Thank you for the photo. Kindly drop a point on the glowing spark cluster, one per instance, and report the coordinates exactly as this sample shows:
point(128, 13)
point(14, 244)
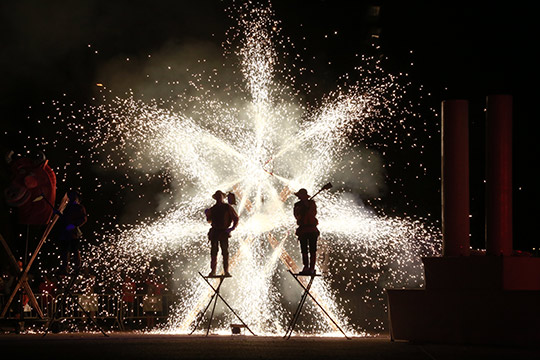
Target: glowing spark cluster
point(257, 138)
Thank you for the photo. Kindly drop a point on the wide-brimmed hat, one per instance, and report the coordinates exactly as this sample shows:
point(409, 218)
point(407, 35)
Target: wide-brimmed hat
point(218, 195)
point(301, 193)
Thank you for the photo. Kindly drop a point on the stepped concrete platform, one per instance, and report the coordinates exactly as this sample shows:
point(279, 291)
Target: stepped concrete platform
point(471, 300)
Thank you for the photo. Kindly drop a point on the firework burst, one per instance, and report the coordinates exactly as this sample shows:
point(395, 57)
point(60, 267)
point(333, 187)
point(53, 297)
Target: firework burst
point(257, 138)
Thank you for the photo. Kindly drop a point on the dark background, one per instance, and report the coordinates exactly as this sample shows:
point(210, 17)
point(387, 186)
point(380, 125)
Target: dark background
point(464, 50)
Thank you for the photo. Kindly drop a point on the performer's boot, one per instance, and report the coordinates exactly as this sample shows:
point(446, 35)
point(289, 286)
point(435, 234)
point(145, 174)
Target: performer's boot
point(312, 261)
point(213, 264)
point(226, 266)
point(305, 261)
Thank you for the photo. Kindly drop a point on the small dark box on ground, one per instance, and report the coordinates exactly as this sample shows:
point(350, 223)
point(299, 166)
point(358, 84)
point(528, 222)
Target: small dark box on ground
point(237, 328)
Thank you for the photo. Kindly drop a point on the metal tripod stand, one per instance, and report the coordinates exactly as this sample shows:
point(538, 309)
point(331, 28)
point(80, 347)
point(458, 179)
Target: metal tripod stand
point(67, 292)
point(296, 314)
point(214, 298)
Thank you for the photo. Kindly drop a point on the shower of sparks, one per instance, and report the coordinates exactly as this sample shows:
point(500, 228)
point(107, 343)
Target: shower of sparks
point(257, 138)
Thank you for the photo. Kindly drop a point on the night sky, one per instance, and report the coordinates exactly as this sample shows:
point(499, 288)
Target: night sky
point(457, 50)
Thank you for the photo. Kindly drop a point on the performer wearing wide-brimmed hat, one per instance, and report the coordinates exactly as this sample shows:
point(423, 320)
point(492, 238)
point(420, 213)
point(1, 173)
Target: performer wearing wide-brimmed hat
point(305, 212)
point(221, 216)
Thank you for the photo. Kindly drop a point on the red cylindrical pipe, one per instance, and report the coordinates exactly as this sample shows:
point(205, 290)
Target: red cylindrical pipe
point(455, 177)
point(499, 175)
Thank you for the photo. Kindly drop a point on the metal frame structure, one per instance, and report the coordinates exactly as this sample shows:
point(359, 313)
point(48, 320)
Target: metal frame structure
point(305, 294)
point(67, 292)
point(22, 282)
point(214, 298)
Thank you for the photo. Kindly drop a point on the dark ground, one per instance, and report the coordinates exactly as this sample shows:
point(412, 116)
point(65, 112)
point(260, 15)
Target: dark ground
point(143, 346)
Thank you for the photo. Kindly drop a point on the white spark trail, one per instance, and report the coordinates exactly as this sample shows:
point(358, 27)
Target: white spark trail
point(263, 144)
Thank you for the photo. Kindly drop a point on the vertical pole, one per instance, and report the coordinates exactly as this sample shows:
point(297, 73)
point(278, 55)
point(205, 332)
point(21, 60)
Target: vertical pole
point(499, 175)
point(455, 177)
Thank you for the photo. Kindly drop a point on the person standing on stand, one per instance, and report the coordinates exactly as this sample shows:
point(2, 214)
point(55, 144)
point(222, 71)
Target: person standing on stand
point(70, 221)
point(220, 216)
point(305, 212)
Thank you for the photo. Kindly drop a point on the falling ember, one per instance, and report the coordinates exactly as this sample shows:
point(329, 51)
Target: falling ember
point(260, 141)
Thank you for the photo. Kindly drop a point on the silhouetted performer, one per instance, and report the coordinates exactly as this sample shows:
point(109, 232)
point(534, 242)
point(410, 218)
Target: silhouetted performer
point(305, 211)
point(221, 216)
point(70, 221)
